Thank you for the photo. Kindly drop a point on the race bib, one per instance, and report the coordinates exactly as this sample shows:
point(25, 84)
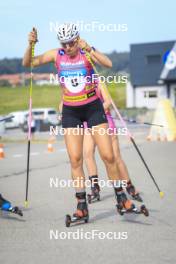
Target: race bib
point(74, 81)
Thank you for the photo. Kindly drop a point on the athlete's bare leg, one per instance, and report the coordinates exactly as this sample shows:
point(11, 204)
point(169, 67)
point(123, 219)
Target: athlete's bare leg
point(89, 154)
point(74, 144)
point(120, 163)
point(104, 144)
point(124, 175)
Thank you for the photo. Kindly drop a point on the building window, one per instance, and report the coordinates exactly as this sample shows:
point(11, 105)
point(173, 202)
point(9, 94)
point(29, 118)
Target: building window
point(153, 94)
point(150, 94)
point(145, 94)
point(154, 59)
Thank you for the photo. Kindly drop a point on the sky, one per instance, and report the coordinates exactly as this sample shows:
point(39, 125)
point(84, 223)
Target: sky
point(135, 21)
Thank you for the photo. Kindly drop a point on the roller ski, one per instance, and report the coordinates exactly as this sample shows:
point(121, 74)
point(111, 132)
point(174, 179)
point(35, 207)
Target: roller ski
point(81, 214)
point(133, 193)
point(6, 206)
point(95, 190)
point(133, 210)
point(125, 206)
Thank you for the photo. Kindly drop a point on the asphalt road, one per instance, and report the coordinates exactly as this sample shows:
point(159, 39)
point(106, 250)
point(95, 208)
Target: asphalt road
point(41, 236)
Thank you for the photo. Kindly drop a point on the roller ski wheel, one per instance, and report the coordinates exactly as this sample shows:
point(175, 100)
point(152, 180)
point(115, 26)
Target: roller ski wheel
point(75, 219)
point(67, 220)
point(144, 210)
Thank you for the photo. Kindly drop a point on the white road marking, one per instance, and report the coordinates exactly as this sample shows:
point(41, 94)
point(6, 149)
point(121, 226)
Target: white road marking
point(62, 149)
point(38, 153)
point(34, 153)
point(17, 155)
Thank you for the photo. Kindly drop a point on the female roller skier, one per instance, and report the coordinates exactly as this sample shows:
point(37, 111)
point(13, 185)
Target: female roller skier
point(80, 103)
point(89, 153)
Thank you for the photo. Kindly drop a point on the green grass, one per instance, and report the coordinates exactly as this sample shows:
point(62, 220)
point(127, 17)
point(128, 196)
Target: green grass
point(15, 99)
point(118, 93)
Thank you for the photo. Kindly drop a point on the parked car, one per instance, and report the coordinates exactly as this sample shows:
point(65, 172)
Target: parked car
point(17, 120)
point(44, 118)
point(45, 114)
point(2, 126)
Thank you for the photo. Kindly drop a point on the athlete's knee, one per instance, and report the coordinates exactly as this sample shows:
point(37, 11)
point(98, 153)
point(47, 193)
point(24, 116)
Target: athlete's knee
point(76, 161)
point(108, 159)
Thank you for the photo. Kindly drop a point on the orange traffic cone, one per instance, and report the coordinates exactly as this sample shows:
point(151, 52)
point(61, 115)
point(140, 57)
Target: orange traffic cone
point(2, 155)
point(50, 146)
point(148, 138)
point(158, 137)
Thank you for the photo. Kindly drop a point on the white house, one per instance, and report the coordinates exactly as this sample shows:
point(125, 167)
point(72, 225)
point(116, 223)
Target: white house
point(152, 74)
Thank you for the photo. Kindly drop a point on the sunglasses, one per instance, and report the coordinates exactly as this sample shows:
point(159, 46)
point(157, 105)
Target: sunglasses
point(70, 44)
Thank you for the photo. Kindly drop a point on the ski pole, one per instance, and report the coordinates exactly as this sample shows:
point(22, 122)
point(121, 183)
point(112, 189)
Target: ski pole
point(29, 122)
point(136, 147)
point(140, 123)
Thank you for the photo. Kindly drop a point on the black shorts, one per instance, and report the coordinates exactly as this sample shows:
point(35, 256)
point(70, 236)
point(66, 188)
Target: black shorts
point(92, 113)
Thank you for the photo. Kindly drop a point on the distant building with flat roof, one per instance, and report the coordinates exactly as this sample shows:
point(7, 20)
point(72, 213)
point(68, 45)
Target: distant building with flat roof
point(152, 74)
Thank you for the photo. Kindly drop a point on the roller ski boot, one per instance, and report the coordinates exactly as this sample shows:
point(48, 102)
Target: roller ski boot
point(6, 206)
point(81, 214)
point(125, 206)
point(133, 193)
point(95, 190)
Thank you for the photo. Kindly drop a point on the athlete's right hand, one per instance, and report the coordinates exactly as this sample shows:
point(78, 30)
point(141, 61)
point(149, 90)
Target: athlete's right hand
point(32, 38)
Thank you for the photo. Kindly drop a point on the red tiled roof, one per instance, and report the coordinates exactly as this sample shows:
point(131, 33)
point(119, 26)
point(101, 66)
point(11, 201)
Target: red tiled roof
point(15, 79)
